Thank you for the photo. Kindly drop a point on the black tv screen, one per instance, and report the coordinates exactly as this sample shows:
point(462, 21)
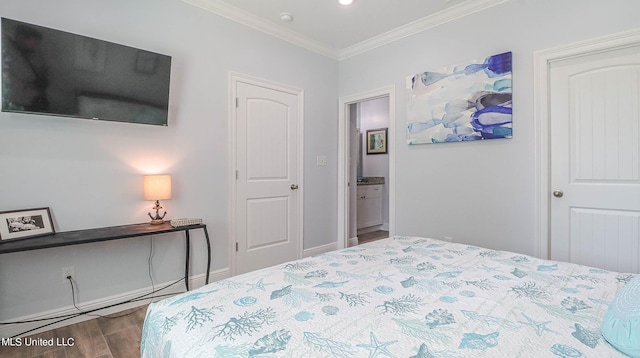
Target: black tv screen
point(52, 72)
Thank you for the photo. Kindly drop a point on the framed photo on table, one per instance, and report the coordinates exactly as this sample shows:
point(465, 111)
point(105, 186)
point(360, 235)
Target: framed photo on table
point(377, 141)
point(21, 224)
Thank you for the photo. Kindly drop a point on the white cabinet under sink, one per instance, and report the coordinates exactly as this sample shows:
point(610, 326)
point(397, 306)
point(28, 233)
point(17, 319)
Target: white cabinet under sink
point(369, 205)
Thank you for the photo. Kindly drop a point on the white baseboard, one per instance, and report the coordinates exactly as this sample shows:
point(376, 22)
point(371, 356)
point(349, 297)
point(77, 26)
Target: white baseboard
point(353, 241)
point(366, 230)
point(319, 250)
point(12, 330)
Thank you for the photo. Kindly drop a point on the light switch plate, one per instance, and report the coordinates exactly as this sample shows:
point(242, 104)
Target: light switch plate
point(321, 161)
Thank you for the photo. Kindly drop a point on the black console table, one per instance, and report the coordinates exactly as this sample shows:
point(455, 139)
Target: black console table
point(105, 234)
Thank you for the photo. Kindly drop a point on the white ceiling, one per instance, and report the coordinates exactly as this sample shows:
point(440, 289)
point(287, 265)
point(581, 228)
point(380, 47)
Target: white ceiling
point(339, 31)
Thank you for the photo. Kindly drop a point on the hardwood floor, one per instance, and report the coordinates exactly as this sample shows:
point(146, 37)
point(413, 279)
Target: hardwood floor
point(372, 236)
point(117, 337)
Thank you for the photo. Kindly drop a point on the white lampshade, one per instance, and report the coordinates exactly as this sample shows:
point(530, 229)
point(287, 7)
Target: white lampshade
point(157, 187)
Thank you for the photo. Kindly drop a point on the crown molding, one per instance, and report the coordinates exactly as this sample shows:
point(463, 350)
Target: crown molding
point(235, 14)
point(245, 18)
point(442, 17)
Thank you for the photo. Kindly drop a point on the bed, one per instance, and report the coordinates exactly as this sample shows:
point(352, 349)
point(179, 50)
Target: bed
point(397, 297)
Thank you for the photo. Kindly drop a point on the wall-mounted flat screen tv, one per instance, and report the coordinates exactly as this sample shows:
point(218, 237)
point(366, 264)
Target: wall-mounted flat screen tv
point(52, 72)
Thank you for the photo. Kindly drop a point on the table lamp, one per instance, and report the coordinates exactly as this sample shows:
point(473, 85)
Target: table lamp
point(157, 187)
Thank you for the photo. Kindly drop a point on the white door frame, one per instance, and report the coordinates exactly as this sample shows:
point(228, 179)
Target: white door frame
point(542, 62)
point(343, 159)
point(234, 78)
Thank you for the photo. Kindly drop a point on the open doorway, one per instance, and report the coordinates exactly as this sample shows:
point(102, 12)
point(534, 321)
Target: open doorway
point(366, 200)
point(369, 169)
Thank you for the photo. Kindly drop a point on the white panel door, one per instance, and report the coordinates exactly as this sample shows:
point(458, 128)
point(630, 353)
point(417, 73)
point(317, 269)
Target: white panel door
point(595, 159)
point(267, 218)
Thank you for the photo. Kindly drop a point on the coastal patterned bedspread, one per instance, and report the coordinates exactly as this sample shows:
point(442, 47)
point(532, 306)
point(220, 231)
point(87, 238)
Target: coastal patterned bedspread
point(397, 297)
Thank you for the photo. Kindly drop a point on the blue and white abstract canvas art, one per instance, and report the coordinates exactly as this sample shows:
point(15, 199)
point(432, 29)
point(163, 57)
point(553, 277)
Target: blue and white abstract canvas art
point(461, 103)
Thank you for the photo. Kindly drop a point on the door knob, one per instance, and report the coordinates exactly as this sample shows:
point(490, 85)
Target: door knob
point(294, 186)
point(558, 193)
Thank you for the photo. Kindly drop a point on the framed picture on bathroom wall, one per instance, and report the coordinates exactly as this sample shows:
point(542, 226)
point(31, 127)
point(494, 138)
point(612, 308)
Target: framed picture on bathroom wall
point(377, 141)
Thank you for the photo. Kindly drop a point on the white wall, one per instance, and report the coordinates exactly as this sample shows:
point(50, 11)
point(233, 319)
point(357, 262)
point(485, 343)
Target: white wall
point(479, 192)
point(374, 114)
point(90, 173)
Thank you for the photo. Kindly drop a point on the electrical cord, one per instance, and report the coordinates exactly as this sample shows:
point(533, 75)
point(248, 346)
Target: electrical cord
point(62, 318)
point(72, 315)
point(130, 312)
point(88, 313)
point(80, 313)
point(149, 268)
